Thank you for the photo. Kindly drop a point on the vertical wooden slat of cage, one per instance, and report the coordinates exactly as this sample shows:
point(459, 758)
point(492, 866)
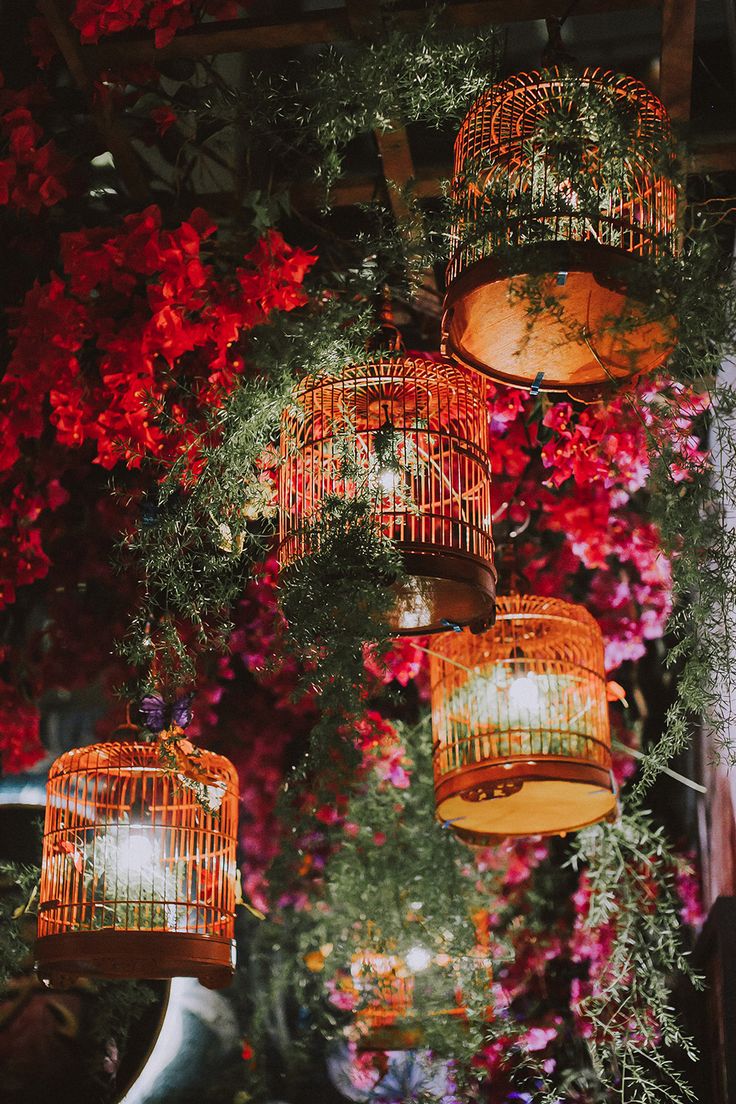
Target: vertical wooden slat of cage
point(229, 868)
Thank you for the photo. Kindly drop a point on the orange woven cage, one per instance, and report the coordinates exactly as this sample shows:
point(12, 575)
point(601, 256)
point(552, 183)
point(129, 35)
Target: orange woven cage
point(386, 990)
point(416, 432)
point(394, 999)
point(524, 212)
point(520, 723)
point(137, 880)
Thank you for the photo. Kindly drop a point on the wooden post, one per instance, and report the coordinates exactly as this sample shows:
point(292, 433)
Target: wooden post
point(676, 58)
point(117, 141)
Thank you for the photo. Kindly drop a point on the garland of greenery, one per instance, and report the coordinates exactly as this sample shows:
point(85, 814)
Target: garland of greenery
point(307, 115)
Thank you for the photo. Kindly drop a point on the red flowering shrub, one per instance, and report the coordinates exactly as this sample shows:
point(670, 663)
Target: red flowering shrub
point(127, 351)
point(96, 18)
point(570, 483)
point(32, 171)
point(20, 743)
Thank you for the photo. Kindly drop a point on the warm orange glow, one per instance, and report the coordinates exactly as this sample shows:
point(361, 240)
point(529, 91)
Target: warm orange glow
point(389, 1017)
point(520, 723)
point(415, 431)
point(521, 214)
point(137, 880)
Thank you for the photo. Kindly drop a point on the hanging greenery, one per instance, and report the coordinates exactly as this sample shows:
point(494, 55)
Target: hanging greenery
point(308, 114)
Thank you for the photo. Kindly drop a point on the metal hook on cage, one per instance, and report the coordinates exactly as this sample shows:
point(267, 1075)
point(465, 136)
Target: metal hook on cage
point(555, 52)
point(390, 332)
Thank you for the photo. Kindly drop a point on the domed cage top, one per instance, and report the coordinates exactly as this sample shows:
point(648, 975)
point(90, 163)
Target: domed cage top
point(137, 879)
point(411, 434)
point(542, 187)
point(520, 723)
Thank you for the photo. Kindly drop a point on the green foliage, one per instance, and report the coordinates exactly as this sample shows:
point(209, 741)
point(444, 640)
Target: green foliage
point(631, 873)
point(195, 548)
point(338, 596)
point(398, 880)
point(310, 112)
point(18, 897)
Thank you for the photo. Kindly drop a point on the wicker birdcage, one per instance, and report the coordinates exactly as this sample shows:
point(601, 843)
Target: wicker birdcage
point(395, 997)
point(386, 989)
point(411, 433)
point(545, 285)
point(520, 723)
point(137, 879)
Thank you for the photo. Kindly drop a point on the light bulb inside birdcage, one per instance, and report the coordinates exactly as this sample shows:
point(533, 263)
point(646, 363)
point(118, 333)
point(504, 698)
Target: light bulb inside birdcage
point(418, 959)
point(546, 210)
point(525, 695)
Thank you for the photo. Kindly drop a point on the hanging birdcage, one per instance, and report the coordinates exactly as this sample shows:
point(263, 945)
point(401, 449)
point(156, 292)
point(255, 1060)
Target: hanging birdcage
point(398, 995)
point(411, 435)
point(385, 990)
point(546, 285)
point(522, 742)
point(137, 878)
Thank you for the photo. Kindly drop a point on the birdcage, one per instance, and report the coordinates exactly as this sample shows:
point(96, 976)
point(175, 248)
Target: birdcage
point(385, 991)
point(520, 723)
point(564, 188)
point(137, 879)
point(398, 994)
point(410, 433)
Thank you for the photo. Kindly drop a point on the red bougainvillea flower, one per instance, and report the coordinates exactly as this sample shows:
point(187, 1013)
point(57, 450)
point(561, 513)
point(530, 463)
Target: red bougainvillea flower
point(129, 348)
point(32, 172)
point(97, 18)
point(20, 741)
point(568, 479)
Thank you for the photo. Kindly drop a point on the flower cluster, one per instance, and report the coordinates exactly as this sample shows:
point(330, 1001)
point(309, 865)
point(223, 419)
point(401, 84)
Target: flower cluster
point(138, 335)
point(127, 352)
point(20, 741)
point(571, 485)
point(33, 171)
point(97, 18)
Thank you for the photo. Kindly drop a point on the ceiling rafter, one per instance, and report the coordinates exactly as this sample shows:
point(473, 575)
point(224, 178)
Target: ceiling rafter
point(363, 19)
point(328, 26)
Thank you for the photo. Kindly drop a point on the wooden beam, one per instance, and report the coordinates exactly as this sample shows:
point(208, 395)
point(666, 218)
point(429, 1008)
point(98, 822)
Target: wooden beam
point(116, 140)
point(357, 188)
point(326, 26)
point(398, 168)
point(714, 156)
point(232, 37)
point(676, 57)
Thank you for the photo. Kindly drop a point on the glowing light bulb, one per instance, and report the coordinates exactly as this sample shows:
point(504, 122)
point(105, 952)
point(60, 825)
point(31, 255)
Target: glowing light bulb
point(389, 480)
point(524, 694)
point(136, 852)
point(418, 958)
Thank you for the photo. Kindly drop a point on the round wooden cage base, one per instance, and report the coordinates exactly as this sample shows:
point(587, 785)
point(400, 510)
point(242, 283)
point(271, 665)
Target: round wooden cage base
point(152, 956)
point(443, 591)
point(399, 1035)
point(546, 798)
point(395, 1036)
point(486, 322)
